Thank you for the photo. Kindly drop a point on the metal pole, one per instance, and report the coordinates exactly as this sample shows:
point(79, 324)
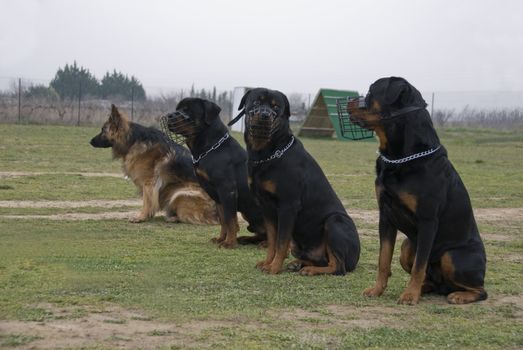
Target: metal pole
point(79, 100)
point(432, 107)
point(132, 102)
point(19, 100)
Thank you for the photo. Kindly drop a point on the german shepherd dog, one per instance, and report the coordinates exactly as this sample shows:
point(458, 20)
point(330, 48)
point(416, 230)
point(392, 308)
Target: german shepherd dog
point(301, 210)
point(160, 169)
point(221, 167)
point(420, 194)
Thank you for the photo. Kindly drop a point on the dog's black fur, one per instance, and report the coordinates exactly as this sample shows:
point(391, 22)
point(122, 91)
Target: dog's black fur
point(222, 172)
point(423, 198)
point(300, 207)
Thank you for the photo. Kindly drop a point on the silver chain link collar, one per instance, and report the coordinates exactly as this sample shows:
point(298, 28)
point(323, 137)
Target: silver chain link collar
point(408, 158)
point(277, 154)
point(215, 146)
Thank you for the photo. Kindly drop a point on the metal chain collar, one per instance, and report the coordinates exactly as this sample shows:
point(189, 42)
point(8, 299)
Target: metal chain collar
point(408, 158)
point(215, 146)
point(277, 154)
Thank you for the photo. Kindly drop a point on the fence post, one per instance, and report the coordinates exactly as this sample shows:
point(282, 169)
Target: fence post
point(132, 103)
point(432, 107)
point(79, 100)
point(19, 100)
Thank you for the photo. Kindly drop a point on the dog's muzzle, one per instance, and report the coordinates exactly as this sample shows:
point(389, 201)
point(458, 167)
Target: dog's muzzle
point(262, 121)
point(350, 127)
point(178, 126)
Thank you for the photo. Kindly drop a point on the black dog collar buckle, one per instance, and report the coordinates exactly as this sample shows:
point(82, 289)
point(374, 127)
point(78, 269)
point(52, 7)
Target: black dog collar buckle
point(178, 126)
point(261, 122)
point(348, 129)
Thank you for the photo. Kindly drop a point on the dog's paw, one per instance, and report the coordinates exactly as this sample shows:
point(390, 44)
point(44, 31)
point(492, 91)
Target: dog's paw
point(462, 297)
point(375, 291)
point(294, 266)
point(137, 219)
point(227, 245)
point(217, 240)
point(272, 269)
point(309, 271)
point(173, 219)
point(409, 297)
point(261, 264)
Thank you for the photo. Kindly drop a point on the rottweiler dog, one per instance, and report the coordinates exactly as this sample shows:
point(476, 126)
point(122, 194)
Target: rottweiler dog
point(221, 167)
point(419, 193)
point(160, 169)
point(301, 210)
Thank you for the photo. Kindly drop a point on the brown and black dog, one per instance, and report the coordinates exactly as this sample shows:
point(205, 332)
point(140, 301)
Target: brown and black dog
point(420, 193)
point(160, 169)
point(301, 210)
point(221, 167)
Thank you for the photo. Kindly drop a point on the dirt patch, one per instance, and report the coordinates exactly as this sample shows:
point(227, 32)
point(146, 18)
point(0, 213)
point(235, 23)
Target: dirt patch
point(496, 237)
point(71, 204)
point(342, 317)
point(75, 216)
point(10, 174)
point(110, 326)
point(514, 301)
point(498, 214)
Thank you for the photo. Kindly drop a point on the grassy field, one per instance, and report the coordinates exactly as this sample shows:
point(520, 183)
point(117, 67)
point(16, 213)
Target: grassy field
point(112, 284)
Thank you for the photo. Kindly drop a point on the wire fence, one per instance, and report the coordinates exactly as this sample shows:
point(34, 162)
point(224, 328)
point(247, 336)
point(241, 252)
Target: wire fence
point(17, 105)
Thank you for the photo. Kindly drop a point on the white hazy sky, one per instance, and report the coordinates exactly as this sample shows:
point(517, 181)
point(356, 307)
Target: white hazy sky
point(290, 45)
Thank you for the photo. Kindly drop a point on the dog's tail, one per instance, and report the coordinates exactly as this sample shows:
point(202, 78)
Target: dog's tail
point(193, 206)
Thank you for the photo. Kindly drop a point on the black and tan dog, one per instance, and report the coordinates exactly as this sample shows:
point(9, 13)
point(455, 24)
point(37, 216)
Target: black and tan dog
point(221, 167)
point(301, 210)
point(420, 193)
point(160, 169)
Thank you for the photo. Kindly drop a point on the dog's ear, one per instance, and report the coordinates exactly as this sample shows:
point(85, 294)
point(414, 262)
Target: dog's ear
point(400, 93)
point(212, 111)
point(115, 118)
point(244, 99)
point(395, 91)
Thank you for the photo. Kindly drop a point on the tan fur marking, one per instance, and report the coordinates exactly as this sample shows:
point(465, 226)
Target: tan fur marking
point(407, 255)
point(269, 186)
point(271, 245)
point(379, 191)
point(202, 173)
point(322, 270)
point(384, 262)
point(409, 200)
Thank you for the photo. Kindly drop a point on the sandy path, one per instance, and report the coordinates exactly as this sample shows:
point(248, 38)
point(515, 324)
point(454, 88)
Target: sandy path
point(368, 216)
point(7, 174)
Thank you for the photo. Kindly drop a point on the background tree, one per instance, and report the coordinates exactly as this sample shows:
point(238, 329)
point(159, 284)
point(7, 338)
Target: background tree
point(118, 84)
point(68, 82)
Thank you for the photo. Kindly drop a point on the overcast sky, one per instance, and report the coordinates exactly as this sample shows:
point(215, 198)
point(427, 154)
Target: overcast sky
point(290, 45)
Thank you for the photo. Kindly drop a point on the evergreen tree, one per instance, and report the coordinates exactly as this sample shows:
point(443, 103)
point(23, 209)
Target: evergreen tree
point(72, 80)
point(117, 84)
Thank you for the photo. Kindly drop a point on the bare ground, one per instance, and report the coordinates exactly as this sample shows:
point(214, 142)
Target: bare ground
point(116, 327)
point(367, 216)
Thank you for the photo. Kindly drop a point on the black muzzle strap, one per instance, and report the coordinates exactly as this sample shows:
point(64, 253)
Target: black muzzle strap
point(238, 117)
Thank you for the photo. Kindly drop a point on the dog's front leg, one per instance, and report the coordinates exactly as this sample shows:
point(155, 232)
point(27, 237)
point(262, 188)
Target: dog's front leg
point(388, 235)
point(270, 228)
point(286, 220)
point(426, 233)
point(148, 207)
point(229, 201)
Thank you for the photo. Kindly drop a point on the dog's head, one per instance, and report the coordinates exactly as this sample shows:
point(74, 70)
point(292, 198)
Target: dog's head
point(114, 130)
point(267, 114)
point(387, 99)
point(192, 116)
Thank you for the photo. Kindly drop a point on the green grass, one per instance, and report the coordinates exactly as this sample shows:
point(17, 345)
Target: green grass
point(174, 274)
